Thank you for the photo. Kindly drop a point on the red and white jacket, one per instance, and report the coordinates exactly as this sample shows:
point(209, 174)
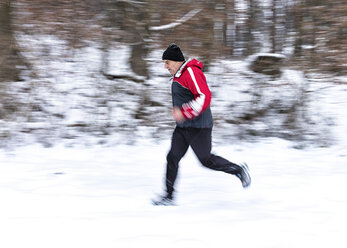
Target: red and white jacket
point(191, 94)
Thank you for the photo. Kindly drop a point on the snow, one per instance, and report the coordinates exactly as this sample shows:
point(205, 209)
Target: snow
point(100, 197)
point(178, 22)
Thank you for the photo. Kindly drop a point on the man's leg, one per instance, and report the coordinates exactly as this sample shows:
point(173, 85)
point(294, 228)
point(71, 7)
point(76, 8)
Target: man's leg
point(179, 147)
point(201, 145)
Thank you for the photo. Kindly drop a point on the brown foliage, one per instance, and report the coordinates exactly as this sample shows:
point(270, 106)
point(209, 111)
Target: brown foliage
point(222, 29)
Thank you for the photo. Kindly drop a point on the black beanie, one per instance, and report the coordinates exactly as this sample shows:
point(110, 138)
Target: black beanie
point(173, 52)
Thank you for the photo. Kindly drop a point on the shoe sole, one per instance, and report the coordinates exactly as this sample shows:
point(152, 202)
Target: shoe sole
point(244, 166)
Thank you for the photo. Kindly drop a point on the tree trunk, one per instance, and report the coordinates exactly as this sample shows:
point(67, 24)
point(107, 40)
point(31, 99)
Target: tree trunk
point(9, 56)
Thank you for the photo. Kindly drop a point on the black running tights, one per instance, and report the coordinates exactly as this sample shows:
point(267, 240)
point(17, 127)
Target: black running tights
point(200, 141)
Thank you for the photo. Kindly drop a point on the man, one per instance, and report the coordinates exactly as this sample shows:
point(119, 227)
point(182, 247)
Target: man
point(191, 99)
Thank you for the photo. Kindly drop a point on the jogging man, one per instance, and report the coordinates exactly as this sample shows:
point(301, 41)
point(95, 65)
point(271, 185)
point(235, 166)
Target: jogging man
point(191, 99)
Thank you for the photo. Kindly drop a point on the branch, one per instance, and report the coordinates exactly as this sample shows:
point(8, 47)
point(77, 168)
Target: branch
point(125, 77)
point(178, 22)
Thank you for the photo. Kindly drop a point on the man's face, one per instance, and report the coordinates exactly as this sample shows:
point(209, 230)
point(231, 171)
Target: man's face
point(172, 66)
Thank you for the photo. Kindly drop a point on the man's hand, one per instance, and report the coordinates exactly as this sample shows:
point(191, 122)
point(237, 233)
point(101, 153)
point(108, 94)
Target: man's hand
point(177, 115)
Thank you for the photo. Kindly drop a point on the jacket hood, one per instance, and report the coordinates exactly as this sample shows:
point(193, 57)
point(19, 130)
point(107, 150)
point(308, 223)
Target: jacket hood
point(188, 63)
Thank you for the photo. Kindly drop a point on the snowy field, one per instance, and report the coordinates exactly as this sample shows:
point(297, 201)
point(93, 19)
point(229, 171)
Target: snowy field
point(100, 197)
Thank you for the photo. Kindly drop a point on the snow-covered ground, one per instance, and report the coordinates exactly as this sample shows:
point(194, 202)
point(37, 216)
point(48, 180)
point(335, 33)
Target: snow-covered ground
point(101, 197)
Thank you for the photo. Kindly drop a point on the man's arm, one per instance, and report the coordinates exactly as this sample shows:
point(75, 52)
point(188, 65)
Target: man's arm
point(202, 94)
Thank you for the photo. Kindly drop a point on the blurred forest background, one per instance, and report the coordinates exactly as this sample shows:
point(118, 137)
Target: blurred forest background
point(90, 70)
